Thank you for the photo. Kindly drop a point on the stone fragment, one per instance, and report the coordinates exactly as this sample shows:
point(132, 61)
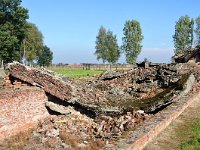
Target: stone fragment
point(52, 133)
point(57, 108)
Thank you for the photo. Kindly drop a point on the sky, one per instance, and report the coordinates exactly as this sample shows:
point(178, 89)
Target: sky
point(70, 27)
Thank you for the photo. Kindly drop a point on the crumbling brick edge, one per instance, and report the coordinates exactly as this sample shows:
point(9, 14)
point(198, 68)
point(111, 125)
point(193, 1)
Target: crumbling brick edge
point(152, 127)
point(21, 110)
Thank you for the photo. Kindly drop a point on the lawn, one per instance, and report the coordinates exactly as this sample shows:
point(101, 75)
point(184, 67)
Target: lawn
point(194, 142)
point(77, 73)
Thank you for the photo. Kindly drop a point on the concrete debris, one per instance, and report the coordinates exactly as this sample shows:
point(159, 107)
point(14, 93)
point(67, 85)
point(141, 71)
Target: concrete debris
point(52, 84)
point(192, 55)
point(109, 127)
point(109, 75)
point(113, 92)
point(57, 108)
point(52, 133)
point(121, 101)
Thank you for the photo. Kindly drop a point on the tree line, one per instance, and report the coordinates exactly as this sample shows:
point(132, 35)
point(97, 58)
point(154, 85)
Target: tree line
point(107, 49)
point(21, 40)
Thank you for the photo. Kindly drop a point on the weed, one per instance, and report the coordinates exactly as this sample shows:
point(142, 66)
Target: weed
point(194, 142)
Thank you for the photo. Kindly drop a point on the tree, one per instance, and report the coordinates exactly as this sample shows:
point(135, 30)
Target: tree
point(101, 47)
point(32, 44)
point(45, 59)
point(132, 40)
point(197, 30)
point(112, 52)
point(12, 29)
point(107, 48)
point(183, 37)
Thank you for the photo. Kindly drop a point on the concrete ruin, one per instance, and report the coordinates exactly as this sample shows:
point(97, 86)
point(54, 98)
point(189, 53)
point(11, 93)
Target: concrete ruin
point(192, 55)
point(21, 107)
point(113, 93)
point(107, 106)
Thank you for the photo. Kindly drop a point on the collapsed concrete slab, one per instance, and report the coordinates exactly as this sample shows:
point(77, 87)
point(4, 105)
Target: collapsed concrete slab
point(114, 93)
point(45, 79)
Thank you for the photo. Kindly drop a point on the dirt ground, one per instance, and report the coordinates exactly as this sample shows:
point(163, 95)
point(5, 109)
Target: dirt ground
point(178, 131)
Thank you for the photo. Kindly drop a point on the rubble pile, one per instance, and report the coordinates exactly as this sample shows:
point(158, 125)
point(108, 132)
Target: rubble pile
point(141, 82)
point(101, 126)
point(113, 92)
point(62, 128)
point(119, 99)
point(78, 131)
point(109, 127)
point(189, 55)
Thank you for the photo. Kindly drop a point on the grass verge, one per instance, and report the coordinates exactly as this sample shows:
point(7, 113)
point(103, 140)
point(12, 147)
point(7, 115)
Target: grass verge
point(194, 142)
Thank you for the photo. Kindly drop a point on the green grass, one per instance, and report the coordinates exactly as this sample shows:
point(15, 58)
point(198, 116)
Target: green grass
point(194, 142)
point(76, 73)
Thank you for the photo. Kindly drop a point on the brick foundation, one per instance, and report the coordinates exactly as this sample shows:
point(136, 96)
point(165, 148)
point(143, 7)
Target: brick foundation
point(20, 109)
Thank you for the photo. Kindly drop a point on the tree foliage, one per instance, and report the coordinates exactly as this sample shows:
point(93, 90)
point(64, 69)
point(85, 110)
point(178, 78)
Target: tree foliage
point(113, 53)
point(32, 44)
point(12, 29)
point(132, 40)
point(183, 37)
point(45, 59)
point(197, 30)
point(107, 48)
point(101, 47)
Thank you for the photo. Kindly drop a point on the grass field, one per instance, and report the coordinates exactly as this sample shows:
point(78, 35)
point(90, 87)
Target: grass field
point(76, 73)
point(194, 142)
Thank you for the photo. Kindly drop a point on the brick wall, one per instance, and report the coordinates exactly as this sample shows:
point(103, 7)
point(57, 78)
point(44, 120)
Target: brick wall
point(20, 109)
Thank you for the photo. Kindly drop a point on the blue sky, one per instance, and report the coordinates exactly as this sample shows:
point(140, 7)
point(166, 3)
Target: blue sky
point(70, 27)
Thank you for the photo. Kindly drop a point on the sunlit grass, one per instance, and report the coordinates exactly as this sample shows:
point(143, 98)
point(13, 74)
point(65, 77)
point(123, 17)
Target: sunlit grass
point(77, 73)
point(194, 142)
